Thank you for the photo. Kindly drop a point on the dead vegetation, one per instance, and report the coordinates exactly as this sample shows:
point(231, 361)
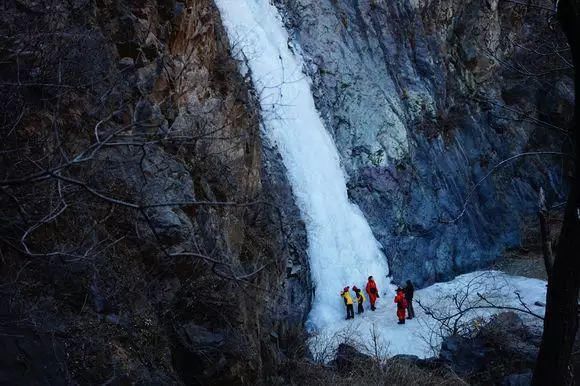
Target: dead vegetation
point(394, 372)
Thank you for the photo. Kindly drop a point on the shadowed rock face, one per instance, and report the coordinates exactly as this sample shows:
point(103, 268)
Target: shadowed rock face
point(422, 98)
point(132, 306)
point(407, 92)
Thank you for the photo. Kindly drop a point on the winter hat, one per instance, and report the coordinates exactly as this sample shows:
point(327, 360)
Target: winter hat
point(346, 289)
point(354, 288)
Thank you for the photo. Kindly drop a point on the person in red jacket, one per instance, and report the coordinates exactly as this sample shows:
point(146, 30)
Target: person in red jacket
point(373, 292)
point(401, 305)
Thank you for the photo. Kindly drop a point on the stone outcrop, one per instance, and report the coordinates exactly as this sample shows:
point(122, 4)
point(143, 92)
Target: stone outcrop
point(503, 346)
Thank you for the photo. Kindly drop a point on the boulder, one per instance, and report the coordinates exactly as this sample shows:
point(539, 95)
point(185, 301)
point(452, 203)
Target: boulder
point(28, 357)
point(202, 337)
point(465, 356)
point(349, 359)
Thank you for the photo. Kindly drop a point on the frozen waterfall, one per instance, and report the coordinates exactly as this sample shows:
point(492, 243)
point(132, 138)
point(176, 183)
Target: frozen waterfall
point(342, 249)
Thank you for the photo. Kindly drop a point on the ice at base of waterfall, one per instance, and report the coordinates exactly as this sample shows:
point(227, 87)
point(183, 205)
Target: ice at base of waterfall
point(378, 331)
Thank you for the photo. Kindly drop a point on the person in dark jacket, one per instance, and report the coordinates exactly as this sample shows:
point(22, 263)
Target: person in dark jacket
point(360, 299)
point(409, 292)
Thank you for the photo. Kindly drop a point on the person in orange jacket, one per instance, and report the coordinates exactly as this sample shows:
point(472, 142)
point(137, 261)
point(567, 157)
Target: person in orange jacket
point(373, 292)
point(345, 294)
point(401, 305)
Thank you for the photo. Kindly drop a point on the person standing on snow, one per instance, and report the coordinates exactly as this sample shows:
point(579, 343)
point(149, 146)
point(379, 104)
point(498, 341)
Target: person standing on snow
point(409, 292)
point(401, 305)
point(360, 298)
point(373, 292)
point(348, 303)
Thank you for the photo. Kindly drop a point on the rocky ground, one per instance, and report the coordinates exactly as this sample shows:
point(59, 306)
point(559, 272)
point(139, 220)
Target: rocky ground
point(527, 259)
point(528, 265)
point(501, 352)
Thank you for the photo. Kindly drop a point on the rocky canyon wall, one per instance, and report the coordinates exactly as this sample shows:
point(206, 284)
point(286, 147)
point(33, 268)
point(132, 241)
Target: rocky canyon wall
point(424, 99)
point(148, 235)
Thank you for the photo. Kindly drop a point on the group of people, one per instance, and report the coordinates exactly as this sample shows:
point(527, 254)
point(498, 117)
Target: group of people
point(403, 300)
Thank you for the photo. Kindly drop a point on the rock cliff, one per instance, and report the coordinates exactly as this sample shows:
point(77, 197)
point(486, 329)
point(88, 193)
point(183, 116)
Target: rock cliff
point(148, 235)
point(424, 98)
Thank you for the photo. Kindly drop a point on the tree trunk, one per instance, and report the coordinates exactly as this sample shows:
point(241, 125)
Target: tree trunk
point(546, 236)
point(561, 321)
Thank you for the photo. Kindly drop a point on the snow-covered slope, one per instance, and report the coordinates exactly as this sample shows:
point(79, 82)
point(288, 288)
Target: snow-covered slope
point(342, 249)
point(378, 333)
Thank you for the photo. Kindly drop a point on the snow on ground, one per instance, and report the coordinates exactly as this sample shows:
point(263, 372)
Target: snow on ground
point(420, 336)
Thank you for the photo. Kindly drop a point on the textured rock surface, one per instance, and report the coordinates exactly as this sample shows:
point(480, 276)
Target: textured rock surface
point(127, 279)
point(422, 99)
point(94, 291)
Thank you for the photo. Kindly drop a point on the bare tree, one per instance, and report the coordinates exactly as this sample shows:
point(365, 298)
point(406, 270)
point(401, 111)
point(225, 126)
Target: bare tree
point(468, 309)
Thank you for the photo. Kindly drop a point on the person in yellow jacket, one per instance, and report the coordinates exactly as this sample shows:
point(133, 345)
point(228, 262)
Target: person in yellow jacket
point(348, 303)
point(360, 299)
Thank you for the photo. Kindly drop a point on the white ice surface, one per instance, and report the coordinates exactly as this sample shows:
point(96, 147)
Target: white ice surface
point(342, 249)
point(420, 335)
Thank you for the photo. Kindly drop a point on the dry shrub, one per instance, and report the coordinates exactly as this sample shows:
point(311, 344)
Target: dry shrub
point(394, 371)
point(358, 363)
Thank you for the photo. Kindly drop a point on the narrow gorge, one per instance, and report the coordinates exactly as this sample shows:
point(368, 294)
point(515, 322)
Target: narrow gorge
point(188, 186)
